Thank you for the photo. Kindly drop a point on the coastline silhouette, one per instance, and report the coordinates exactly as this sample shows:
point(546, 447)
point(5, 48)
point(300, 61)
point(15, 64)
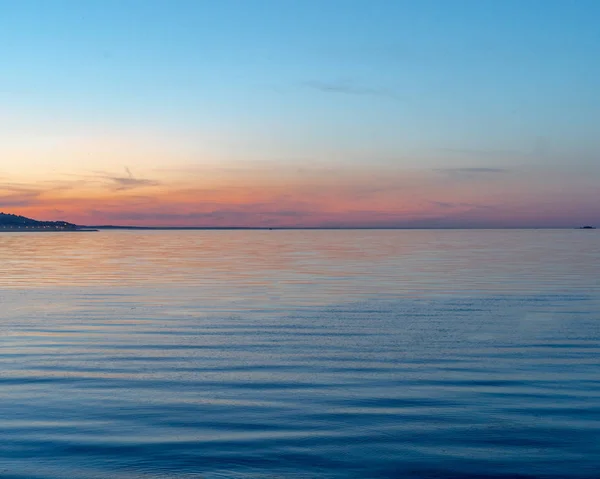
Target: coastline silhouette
point(11, 222)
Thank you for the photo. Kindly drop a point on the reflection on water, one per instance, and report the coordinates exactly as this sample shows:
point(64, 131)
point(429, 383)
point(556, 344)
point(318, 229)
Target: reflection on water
point(300, 354)
point(304, 266)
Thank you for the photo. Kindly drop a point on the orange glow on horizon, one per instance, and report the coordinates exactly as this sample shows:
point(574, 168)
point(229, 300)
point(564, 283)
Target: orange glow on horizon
point(287, 197)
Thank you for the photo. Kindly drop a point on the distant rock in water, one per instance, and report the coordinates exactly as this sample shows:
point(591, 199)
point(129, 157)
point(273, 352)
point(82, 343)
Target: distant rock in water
point(12, 222)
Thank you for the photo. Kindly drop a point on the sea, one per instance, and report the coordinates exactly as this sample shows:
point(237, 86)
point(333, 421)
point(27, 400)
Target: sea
point(288, 354)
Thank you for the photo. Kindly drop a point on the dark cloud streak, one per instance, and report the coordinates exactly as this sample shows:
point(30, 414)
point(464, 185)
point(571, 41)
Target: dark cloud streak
point(118, 182)
point(129, 182)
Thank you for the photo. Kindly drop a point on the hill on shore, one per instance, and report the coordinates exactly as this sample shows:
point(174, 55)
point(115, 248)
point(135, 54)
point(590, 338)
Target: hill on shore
point(10, 221)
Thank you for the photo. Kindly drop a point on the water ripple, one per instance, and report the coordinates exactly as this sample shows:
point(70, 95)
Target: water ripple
point(365, 355)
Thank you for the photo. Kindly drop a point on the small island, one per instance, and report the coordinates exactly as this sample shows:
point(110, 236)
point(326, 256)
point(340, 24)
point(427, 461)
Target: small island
point(587, 227)
point(16, 223)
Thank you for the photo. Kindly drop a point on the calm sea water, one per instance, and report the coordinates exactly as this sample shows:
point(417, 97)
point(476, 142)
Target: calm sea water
point(300, 354)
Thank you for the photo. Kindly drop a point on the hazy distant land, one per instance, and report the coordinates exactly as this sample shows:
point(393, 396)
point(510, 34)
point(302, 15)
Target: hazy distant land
point(16, 223)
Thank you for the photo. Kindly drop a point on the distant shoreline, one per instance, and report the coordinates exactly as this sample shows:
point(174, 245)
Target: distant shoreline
point(89, 229)
point(46, 230)
point(11, 223)
point(325, 228)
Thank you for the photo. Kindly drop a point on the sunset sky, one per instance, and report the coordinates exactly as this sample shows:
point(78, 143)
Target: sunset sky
point(450, 113)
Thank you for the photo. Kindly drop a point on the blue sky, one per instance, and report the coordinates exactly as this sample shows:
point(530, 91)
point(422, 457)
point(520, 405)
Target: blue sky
point(372, 84)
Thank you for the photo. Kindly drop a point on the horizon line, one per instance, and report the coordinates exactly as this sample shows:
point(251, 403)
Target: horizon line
point(356, 227)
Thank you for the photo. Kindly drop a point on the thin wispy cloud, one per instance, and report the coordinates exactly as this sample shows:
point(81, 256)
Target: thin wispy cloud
point(459, 205)
point(25, 195)
point(18, 195)
point(471, 173)
point(479, 153)
point(346, 88)
point(123, 182)
point(472, 170)
point(18, 199)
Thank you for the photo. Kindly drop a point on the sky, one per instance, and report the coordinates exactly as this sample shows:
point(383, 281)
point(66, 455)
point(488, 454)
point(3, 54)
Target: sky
point(383, 113)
